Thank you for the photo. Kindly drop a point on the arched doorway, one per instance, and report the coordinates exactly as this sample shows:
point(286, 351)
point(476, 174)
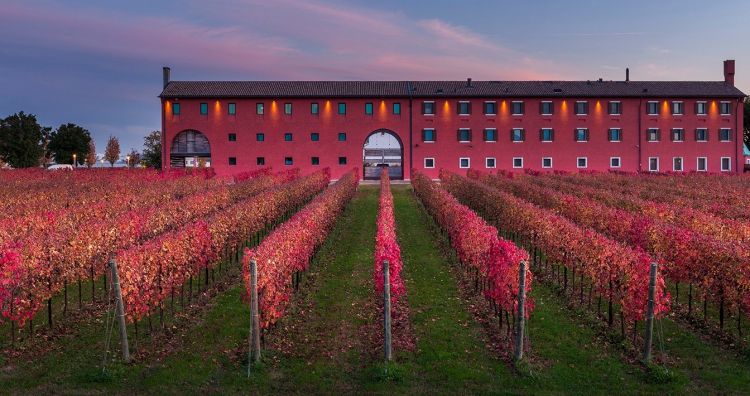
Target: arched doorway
point(190, 149)
point(383, 149)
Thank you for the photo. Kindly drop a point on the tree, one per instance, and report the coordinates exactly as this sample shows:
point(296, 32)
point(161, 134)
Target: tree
point(112, 152)
point(91, 158)
point(134, 158)
point(21, 140)
point(69, 140)
point(746, 122)
point(46, 157)
point(152, 150)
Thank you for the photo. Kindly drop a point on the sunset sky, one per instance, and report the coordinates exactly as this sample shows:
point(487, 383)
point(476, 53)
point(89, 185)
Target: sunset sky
point(98, 64)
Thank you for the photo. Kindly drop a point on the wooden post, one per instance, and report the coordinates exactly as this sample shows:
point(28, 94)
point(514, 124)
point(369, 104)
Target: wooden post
point(120, 311)
point(650, 316)
point(521, 314)
point(254, 317)
point(387, 311)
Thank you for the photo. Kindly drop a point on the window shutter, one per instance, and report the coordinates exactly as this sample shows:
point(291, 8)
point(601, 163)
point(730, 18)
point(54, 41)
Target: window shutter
point(523, 135)
point(575, 134)
point(458, 107)
point(671, 135)
point(424, 135)
point(587, 134)
point(424, 108)
point(541, 108)
point(541, 134)
point(468, 108)
point(658, 134)
point(696, 129)
point(609, 135)
point(512, 132)
point(469, 134)
point(434, 135)
point(458, 135)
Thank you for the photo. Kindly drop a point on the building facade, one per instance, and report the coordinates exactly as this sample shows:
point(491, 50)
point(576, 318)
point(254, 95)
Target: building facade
point(658, 126)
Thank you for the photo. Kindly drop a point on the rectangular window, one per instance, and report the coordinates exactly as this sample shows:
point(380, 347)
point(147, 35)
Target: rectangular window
point(725, 134)
point(232, 161)
point(490, 134)
point(726, 164)
point(678, 134)
point(547, 162)
point(175, 109)
point(546, 108)
point(429, 163)
point(368, 108)
point(260, 137)
point(701, 135)
point(517, 135)
point(516, 108)
point(652, 108)
point(342, 136)
point(702, 164)
point(464, 163)
point(232, 108)
point(287, 108)
point(490, 108)
point(315, 160)
point(464, 135)
point(464, 108)
point(582, 162)
point(653, 164)
point(428, 108)
point(259, 108)
point(517, 162)
point(342, 160)
point(582, 134)
point(314, 137)
point(546, 134)
point(615, 108)
point(582, 108)
point(232, 137)
point(725, 108)
point(615, 162)
point(489, 162)
point(260, 161)
point(288, 161)
point(615, 134)
point(342, 108)
point(653, 134)
point(288, 137)
point(701, 108)
point(204, 108)
point(677, 164)
point(397, 108)
point(677, 108)
point(314, 108)
point(428, 135)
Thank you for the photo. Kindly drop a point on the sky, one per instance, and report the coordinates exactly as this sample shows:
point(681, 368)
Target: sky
point(98, 63)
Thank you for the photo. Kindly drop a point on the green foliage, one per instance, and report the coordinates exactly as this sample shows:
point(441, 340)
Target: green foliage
point(658, 374)
point(68, 140)
point(21, 140)
point(151, 156)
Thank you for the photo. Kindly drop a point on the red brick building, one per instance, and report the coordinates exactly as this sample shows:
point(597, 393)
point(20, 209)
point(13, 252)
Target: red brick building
point(235, 126)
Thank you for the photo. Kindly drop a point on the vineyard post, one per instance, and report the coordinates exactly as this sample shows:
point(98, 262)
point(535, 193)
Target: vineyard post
point(120, 311)
point(387, 310)
point(255, 319)
point(650, 316)
point(521, 314)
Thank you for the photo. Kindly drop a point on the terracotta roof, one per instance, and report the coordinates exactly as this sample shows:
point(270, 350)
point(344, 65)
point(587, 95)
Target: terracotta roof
point(379, 89)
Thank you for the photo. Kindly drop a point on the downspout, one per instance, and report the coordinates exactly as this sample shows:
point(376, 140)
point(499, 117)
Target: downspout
point(411, 123)
point(739, 139)
point(164, 162)
point(640, 143)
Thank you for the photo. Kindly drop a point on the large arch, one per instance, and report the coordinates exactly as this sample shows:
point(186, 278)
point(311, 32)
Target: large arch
point(190, 148)
point(383, 148)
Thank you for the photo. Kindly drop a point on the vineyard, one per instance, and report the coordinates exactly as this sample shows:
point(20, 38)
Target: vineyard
point(138, 281)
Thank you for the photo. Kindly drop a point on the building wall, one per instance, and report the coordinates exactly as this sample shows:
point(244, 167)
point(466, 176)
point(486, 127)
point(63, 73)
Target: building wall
point(447, 150)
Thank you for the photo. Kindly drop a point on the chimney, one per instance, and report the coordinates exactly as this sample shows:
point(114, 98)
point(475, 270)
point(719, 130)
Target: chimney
point(468, 82)
point(165, 73)
point(729, 71)
point(627, 74)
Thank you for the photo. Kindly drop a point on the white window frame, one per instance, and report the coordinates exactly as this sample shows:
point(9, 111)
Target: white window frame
point(619, 162)
point(585, 134)
point(619, 135)
point(487, 160)
point(706, 134)
point(511, 107)
point(459, 134)
point(550, 162)
point(682, 139)
point(585, 159)
point(434, 109)
point(514, 162)
point(547, 101)
point(729, 161)
point(682, 107)
point(433, 135)
point(489, 141)
point(698, 164)
point(468, 163)
point(657, 107)
point(705, 106)
point(682, 164)
point(552, 136)
point(459, 107)
point(425, 162)
point(615, 101)
point(657, 164)
point(491, 101)
point(581, 101)
point(730, 135)
point(648, 132)
point(721, 105)
point(513, 135)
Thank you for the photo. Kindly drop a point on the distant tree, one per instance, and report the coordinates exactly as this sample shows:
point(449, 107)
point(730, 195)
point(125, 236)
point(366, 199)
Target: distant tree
point(152, 150)
point(46, 157)
point(746, 122)
point(21, 140)
point(68, 140)
point(112, 152)
point(134, 158)
point(91, 158)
